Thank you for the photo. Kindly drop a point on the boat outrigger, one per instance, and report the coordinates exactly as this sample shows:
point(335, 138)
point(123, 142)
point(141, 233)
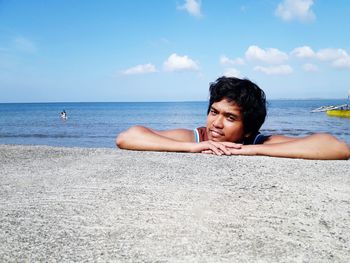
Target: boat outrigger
point(337, 111)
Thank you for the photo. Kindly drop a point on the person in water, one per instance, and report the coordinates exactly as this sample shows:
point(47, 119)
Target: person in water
point(236, 111)
point(64, 115)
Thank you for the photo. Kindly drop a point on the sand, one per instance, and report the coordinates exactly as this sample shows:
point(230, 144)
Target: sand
point(98, 205)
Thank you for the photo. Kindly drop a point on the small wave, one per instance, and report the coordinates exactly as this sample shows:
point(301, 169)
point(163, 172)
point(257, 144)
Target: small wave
point(302, 132)
point(286, 130)
point(36, 135)
point(52, 136)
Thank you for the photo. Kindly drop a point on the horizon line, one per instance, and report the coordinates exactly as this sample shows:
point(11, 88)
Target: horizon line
point(156, 101)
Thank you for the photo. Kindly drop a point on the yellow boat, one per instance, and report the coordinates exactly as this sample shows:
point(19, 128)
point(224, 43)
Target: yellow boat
point(342, 111)
point(339, 113)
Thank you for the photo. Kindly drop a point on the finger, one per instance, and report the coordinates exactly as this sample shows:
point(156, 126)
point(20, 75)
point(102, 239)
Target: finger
point(208, 152)
point(215, 149)
point(232, 145)
point(221, 147)
point(245, 150)
point(234, 151)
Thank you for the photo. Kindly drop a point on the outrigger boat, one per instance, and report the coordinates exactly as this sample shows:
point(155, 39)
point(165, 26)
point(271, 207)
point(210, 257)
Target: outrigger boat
point(337, 111)
point(341, 111)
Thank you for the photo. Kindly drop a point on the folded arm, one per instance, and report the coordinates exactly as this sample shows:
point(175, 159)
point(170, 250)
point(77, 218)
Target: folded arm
point(316, 146)
point(179, 140)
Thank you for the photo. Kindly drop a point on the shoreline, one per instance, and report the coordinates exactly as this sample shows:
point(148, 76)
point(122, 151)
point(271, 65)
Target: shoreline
point(105, 204)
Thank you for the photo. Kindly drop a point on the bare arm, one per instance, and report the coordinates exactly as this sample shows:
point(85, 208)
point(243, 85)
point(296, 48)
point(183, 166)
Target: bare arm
point(179, 140)
point(142, 138)
point(316, 146)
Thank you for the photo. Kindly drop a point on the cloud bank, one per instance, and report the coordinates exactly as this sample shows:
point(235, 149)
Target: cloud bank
point(270, 61)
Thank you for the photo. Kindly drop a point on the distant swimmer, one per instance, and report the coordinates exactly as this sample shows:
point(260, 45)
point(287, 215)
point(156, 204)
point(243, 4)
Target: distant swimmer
point(64, 115)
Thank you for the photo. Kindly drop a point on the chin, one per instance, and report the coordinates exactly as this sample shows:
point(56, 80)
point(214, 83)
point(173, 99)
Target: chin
point(218, 139)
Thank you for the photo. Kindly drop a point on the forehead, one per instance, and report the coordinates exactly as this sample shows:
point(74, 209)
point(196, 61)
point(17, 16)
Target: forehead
point(227, 106)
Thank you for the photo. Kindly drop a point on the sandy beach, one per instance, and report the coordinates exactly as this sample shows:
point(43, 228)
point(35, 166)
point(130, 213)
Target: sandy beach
point(97, 205)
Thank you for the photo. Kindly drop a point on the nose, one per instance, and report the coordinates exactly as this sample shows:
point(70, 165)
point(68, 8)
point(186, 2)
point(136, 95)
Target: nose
point(218, 122)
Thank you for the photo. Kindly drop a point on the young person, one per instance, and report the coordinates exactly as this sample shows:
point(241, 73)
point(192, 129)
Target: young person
point(236, 111)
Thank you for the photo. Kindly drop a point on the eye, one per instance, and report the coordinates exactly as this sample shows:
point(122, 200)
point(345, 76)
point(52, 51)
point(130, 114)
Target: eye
point(213, 111)
point(231, 118)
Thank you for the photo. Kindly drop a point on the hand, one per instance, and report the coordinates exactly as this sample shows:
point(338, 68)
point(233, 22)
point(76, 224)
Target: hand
point(217, 148)
point(245, 150)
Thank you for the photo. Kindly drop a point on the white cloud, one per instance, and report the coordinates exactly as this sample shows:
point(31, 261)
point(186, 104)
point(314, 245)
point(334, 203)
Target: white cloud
point(339, 58)
point(269, 55)
point(140, 69)
point(295, 9)
point(308, 67)
point(303, 52)
point(232, 72)
point(227, 61)
point(340, 63)
point(193, 7)
point(25, 45)
point(179, 63)
point(275, 70)
point(329, 54)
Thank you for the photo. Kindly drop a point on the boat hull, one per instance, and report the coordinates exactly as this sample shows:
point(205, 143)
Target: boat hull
point(339, 113)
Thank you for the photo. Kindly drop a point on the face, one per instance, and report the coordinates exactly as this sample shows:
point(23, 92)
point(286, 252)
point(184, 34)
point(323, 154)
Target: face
point(224, 122)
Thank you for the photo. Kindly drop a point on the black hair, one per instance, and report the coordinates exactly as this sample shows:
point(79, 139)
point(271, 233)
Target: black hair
point(245, 94)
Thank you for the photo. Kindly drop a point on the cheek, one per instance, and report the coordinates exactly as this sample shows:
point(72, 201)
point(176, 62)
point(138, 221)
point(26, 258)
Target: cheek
point(234, 129)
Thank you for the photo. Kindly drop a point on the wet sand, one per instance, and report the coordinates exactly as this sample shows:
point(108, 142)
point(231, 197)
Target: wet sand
point(74, 204)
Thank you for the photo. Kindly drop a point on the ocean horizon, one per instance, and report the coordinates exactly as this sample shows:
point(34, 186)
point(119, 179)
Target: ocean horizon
point(169, 101)
point(96, 124)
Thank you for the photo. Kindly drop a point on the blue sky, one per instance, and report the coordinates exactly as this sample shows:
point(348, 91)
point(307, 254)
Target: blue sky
point(170, 50)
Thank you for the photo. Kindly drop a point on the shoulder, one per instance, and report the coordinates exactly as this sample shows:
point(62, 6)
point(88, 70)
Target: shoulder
point(200, 134)
point(278, 139)
point(182, 135)
point(260, 138)
point(256, 139)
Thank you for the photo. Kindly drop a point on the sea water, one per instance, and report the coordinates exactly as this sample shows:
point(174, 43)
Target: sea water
point(97, 124)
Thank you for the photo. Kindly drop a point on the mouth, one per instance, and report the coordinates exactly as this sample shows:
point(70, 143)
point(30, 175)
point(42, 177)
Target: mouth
point(215, 133)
